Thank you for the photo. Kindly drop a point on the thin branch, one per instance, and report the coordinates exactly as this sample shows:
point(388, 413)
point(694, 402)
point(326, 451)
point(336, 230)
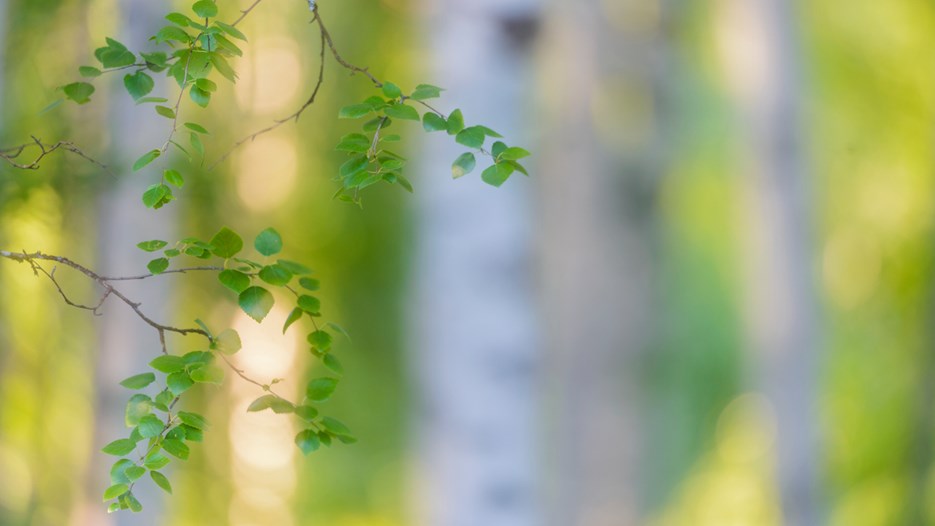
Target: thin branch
point(245, 12)
point(12, 154)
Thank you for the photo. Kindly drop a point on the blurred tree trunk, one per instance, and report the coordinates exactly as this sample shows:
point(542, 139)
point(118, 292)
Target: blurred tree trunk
point(602, 157)
point(764, 72)
point(126, 343)
point(477, 349)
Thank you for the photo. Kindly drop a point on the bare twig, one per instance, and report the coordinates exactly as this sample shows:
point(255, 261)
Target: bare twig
point(12, 154)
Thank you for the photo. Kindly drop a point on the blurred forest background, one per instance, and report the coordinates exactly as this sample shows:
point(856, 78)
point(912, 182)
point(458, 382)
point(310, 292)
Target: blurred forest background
point(710, 304)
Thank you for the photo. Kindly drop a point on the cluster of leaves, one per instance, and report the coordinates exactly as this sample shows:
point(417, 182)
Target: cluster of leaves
point(251, 280)
point(196, 49)
point(370, 162)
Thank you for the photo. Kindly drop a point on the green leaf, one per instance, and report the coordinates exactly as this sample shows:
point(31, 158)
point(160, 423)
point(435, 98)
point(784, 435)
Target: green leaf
point(138, 85)
point(165, 111)
point(487, 131)
point(156, 195)
point(226, 243)
point(155, 460)
point(276, 275)
point(231, 30)
point(463, 165)
point(193, 419)
point(118, 472)
point(335, 426)
point(169, 34)
point(146, 100)
point(179, 19)
point(513, 153)
point(497, 174)
point(150, 426)
point(223, 67)
point(161, 481)
point(145, 159)
point(196, 128)
point(455, 122)
point(307, 441)
point(168, 363)
point(426, 91)
point(119, 447)
point(331, 362)
point(354, 165)
point(340, 330)
point(278, 405)
point(206, 85)
point(309, 283)
point(293, 267)
point(472, 137)
point(158, 265)
point(89, 71)
point(306, 412)
point(320, 339)
point(234, 279)
point(391, 91)
point(79, 92)
point(294, 316)
point(179, 382)
point(176, 448)
point(309, 304)
point(151, 246)
point(432, 122)
point(498, 148)
point(256, 302)
point(354, 142)
point(209, 374)
point(115, 491)
point(354, 111)
point(156, 61)
point(228, 342)
point(401, 111)
point(138, 406)
point(200, 96)
point(205, 9)
point(139, 381)
point(321, 389)
point(268, 242)
point(135, 472)
point(163, 400)
point(198, 358)
point(174, 178)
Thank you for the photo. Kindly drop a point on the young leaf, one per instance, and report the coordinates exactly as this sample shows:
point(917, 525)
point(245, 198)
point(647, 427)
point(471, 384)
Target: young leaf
point(293, 267)
point(401, 111)
point(200, 96)
point(89, 71)
point(278, 405)
point(463, 165)
point(165, 111)
point(205, 9)
point(321, 389)
point(196, 128)
point(268, 242)
point(455, 122)
point(158, 265)
point(138, 406)
point(512, 153)
point(231, 30)
point(139, 381)
point(234, 279)
point(179, 382)
point(151, 246)
point(145, 159)
point(276, 275)
point(150, 426)
point(174, 178)
point(354, 142)
point(115, 491)
point(426, 91)
point(320, 339)
point(256, 302)
point(176, 448)
point(307, 441)
point(79, 92)
point(306, 412)
point(354, 111)
point(228, 342)
point(331, 362)
point(335, 426)
point(391, 91)
point(138, 85)
point(497, 174)
point(309, 284)
point(294, 316)
point(309, 304)
point(472, 137)
point(168, 363)
point(209, 374)
point(432, 122)
point(226, 243)
point(161, 481)
point(119, 447)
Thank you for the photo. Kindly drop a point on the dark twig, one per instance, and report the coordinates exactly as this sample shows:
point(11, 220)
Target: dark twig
point(12, 154)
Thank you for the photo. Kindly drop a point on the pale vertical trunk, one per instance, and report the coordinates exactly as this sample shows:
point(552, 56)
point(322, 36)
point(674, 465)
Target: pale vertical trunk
point(476, 351)
point(762, 60)
point(126, 343)
point(602, 159)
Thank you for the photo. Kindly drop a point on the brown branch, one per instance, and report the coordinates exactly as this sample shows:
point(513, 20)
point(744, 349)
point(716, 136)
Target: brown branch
point(245, 12)
point(12, 154)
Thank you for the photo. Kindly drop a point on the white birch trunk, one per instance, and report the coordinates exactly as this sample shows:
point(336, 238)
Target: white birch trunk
point(476, 352)
point(762, 61)
point(126, 343)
